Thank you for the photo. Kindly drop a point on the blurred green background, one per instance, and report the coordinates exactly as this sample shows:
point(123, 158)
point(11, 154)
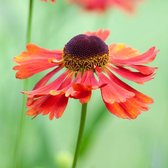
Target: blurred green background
point(116, 143)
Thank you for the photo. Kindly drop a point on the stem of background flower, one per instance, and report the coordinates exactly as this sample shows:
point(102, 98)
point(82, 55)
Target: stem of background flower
point(80, 134)
point(29, 24)
point(25, 87)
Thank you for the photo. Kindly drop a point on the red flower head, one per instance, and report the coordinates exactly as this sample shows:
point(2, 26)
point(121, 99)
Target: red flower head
point(102, 5)
point(87, 63)
point(53, 1)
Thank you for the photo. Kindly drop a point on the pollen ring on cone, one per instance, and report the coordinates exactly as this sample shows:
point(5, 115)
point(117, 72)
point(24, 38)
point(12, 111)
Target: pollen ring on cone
point(84, 52)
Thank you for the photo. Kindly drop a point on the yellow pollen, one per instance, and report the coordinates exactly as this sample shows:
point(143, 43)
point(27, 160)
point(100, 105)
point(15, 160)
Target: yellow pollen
point(77, 63)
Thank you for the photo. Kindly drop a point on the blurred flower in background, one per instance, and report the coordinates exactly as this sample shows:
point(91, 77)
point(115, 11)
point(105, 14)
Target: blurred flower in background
point(48, 0)
point(103, 5)
point(86, 58)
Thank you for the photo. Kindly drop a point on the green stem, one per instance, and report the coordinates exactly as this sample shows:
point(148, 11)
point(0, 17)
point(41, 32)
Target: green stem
point(29, 24)
point(92, 129)
point(80, 134)
point(17, 162)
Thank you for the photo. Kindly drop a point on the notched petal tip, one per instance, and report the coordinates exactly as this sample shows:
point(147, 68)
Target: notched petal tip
point(124, 104)
point(126, 110)
point(54, 106)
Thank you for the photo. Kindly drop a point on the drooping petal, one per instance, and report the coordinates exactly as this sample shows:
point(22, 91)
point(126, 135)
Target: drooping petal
point(87, 80)
point(53, 105)
point(132, 106)
point(82, 93)
point(140, 95)
point(77, 86)
point(49, 88)
point(81, 86)
point(112, 92)
point(102, 34)
point(35, 60)
point(123, 110)
point(57, 87)
point(46, 78)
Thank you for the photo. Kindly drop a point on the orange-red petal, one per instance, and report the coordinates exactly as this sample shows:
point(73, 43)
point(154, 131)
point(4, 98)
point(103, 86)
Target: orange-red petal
point(36, 59)
point(137, 77)
point(132, 106)
point(112, 92)
point(52, 105)
point(49, 88)
point(102, 34)
point(46, 78)
point(128, 63)
point(122, 55)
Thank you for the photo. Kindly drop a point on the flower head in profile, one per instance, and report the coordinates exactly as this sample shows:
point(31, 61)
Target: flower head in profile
point(103, 5)
point(86, 63)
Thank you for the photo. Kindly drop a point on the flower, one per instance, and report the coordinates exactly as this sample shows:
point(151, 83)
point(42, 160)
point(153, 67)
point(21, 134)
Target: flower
point(53, 1)
point(86, 63)
point(102, 5)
